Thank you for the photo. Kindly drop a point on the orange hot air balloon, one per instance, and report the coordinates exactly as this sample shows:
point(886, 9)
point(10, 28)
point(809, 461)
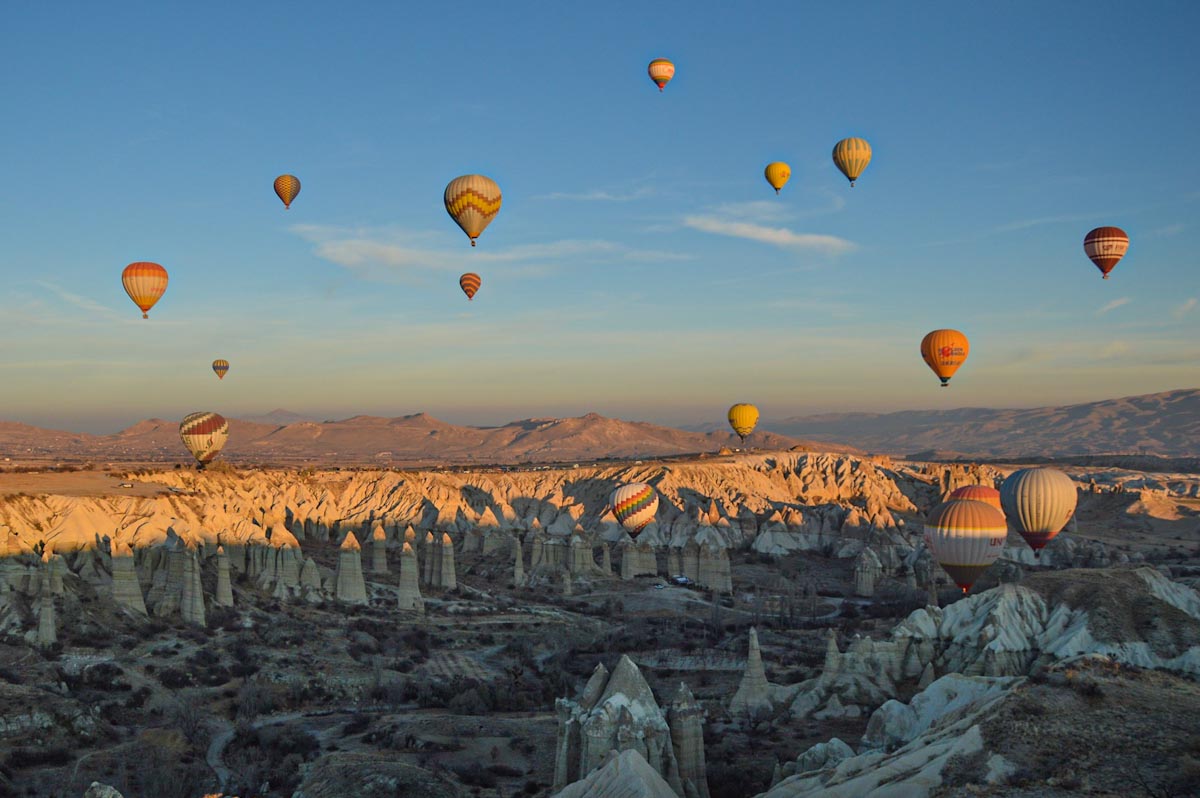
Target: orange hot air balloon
point(145, 282)
point(220, 367)
point(1105, 246)
point(469, 283)
point(944, 351)
point(287, 187)
point(661, 71)
point(979, 493)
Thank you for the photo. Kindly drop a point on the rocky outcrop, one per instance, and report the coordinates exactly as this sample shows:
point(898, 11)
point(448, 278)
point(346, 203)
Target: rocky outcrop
point(191, 600)
point(867, 570)
point(409, 591)
point(618, 712)
point(623, 775)
point(915, 743)
point(224, 595)
point(379, 550)
point(98, 790)
point(637, 559)
point(349, 586)
point(518, 563)
point(753, 696)
point(127, 590)
point(446, 576)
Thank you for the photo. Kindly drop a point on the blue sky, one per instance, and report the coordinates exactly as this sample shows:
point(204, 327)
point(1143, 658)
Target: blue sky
point(640, 267)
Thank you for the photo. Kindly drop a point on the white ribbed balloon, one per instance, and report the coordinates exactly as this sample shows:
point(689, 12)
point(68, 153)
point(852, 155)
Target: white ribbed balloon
point(1039, 502)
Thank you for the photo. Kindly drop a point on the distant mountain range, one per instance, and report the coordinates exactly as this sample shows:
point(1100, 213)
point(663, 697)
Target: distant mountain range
point(418, 439)
point(1163, 424)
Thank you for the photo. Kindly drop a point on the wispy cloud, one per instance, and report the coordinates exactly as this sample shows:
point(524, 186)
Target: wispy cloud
point(387, 255)
point(777, 236)
point(1114, 349)
point(1025, 224)
point(1116, 303)
point(1167, 230)
point(1187, 307)
point(83, 303)
point(599, 195)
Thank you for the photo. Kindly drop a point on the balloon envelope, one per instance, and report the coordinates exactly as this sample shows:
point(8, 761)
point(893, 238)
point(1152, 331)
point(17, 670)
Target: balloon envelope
point(1039, 502)
point(1105, 246)
point(944, 351)
point(777, 174)
point(634, 506)
point(204, 434)
point(965, 537)
point(472, 202)
point(979, 493)
point(469, 283)
point(219, 367)
point(287, 187)
point(743, 418)
point(145, 282)
point(661, 71)
point(851, 156)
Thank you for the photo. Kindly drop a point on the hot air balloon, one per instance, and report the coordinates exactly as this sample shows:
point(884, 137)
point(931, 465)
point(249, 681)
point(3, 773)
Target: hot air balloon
point(661, 71)
point(852, 156)
point(979, 493)
point(469, 283)
point(743, 418)
point(944, 351)
point(145, 283)
point(777, 174)
point(220, 367)
point(287, 187)
point(204, 434)
point(965, 537)
point(472, 202)
point(634, 506)
point(1039, 502)
point(1105, 246)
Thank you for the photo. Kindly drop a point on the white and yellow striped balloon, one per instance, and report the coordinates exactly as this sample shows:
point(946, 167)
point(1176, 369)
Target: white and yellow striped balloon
point(472, 202)
point(965, 537)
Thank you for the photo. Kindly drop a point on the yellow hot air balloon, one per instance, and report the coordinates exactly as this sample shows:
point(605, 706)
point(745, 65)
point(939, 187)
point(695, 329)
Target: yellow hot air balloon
point(965, 537)
point(145, 282)
point(661, 71)
point(472, 202)
point(220, 366)
point(204, 434)
point(777, 174)
point(852, 156)
point(944, 351)
point(287, 187)
point(743, 418)
point(1040, 502)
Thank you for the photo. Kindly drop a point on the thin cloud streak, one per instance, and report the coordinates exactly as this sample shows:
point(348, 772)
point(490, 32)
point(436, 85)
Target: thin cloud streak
point(598, 195)
point(777, 236)
point(388, 255)
point(1116, 303)
point(1027, 223)
point(1186, 308)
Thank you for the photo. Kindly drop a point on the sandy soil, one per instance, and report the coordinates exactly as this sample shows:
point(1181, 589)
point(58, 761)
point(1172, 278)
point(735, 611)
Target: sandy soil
point(76, 483)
